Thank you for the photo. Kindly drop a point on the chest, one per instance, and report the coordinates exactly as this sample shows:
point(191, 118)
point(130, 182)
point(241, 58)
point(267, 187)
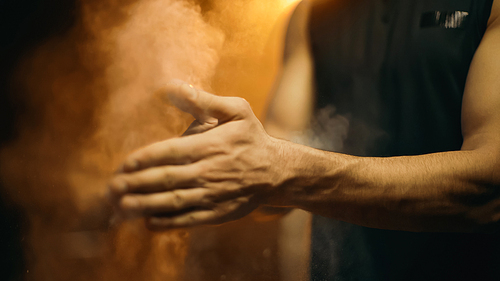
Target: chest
point(365, 36)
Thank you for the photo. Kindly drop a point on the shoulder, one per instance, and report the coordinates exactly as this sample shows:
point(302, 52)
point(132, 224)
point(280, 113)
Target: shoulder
point(300, 16)
point(297, 31)
point(494, 20)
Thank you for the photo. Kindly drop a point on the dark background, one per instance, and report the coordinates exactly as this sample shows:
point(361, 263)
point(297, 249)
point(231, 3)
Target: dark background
point(23, 25)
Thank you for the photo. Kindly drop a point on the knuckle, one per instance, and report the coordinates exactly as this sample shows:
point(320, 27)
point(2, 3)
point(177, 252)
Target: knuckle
point(240, 105)
point(209, 195)
point(201, 171)
point(219, 211)
point(166, 180)
point(172, 150)
point(171, 147)
point(166, 184)
point(216, 146)
point(139, 206)
point(177, 200)
point(208, 199)
point(244, 102)
point(243, 105)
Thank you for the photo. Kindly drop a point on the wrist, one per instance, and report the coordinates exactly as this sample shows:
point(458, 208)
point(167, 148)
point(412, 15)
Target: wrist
point(306, 172)
point(281, 152)
point(290, 162)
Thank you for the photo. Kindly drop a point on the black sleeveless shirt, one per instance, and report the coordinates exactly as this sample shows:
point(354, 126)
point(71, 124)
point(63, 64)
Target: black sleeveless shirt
point(396, 69)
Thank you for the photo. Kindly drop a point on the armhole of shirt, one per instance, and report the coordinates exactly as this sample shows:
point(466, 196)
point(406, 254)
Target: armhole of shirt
point(484, 9)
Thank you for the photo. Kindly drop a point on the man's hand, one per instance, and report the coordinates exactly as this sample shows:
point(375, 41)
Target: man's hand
point(220, 170)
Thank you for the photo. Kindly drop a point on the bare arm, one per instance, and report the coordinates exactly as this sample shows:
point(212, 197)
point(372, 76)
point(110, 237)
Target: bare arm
point(452, 191)
point(291, 104)
point(228, 170)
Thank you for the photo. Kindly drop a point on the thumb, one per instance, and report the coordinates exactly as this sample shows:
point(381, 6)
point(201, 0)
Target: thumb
point(203, 106)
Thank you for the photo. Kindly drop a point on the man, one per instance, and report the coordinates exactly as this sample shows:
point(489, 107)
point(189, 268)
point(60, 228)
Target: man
point(411, 77)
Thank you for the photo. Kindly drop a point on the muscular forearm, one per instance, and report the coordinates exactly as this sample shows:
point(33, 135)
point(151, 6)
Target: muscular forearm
point(222, 173)
point(452, 191)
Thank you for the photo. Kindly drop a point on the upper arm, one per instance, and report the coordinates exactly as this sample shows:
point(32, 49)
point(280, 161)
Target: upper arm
point(291, 102)
point(481, 104)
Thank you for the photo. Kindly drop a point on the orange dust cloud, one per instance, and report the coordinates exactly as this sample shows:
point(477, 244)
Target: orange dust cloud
point(89, 95)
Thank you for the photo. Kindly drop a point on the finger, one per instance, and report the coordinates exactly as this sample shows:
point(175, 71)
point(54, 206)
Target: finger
point(135, 205)
point(220, 212)
point(176, 151)
point(204, 106)
point(154, 180)
point(194, 218)
point(196, 128)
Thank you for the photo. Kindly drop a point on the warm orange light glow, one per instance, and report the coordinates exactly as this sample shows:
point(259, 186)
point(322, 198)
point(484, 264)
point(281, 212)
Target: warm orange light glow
point(290, 2)
point(91, 91)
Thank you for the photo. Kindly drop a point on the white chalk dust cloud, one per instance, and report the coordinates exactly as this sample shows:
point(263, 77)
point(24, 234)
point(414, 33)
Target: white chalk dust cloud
point(327, 131)
point(90, 95)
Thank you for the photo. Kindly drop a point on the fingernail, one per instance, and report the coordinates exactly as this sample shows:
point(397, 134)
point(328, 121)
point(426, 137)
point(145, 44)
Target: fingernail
point(189, 90)
point(175, 86)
